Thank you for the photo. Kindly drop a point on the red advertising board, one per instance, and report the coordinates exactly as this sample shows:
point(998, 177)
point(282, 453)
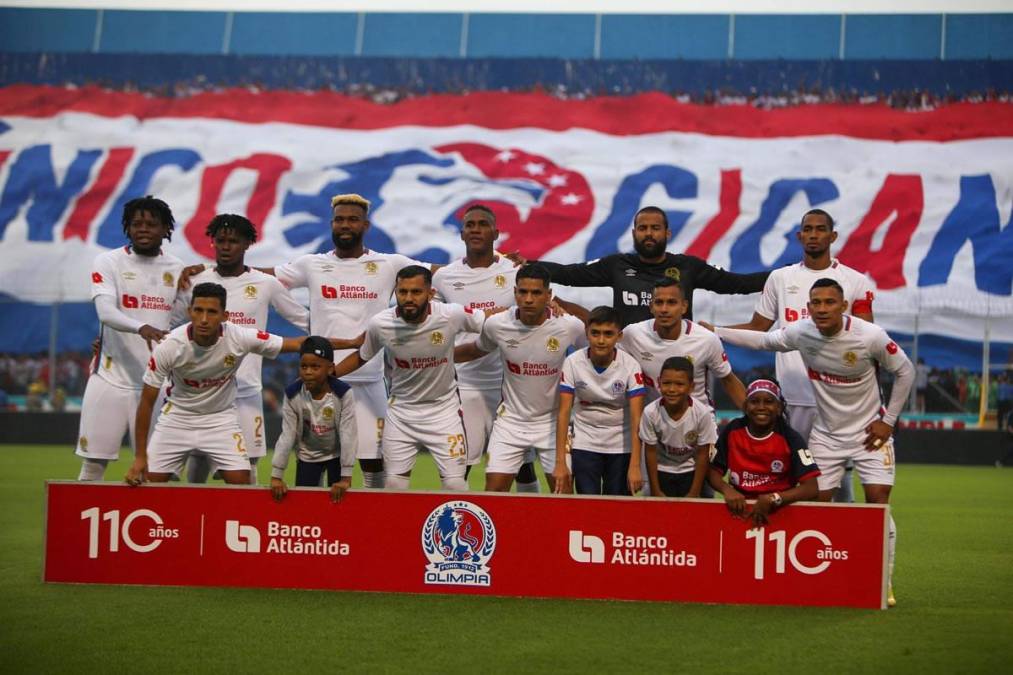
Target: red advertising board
point(479, 543)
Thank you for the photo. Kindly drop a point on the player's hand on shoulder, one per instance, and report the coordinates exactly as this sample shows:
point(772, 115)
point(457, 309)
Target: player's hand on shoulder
point(189, 271)
point(515, 257)
point(137, 472)
point(556, 309)
point(278, 489)
point(151, 334)
point(338, 489)
point(494, 310)
point(709, 326)
point(877, 433)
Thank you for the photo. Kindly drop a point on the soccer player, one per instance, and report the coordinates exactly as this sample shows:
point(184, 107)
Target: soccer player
point(418, 337)
point(250, 293)
point(347, 287)
point(201, 360)
point(606, 387)
point(532, 345)
point(677, 433)
point(134, 288)
point(318, 420)
point(842, 355)
point(784, 301)
point(481, 280)
point(766, 459)
point(669, 334)
point(632, 275)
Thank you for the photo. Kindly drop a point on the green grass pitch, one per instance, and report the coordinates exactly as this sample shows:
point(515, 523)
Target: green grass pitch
point(954, 583)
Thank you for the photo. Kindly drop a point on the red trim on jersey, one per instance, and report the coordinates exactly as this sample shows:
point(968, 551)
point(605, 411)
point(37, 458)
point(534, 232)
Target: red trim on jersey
point(861, 307)
point(689, 326)
point(96, 278)
point(847, 322)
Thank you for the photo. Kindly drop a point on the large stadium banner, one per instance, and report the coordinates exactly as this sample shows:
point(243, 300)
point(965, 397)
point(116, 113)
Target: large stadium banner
point(479, 543)
point(922, 199)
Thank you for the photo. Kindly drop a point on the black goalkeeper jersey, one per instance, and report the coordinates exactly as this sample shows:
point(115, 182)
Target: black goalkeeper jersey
point(632, 280)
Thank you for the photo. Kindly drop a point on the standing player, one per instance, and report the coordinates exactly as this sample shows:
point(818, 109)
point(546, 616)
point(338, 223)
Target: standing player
point(633, 275)
point(425, 411)
point(669, 334)
point(842, 356)
point(348, 286)
point(784, 301)
point(134, 288)
point(481, 280)
point(605, 387)
point(250, 293)
point(200, 360)
point(532, 344)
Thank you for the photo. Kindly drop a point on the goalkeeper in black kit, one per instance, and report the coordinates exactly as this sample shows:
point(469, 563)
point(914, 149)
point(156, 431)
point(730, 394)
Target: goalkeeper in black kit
point(632, 276)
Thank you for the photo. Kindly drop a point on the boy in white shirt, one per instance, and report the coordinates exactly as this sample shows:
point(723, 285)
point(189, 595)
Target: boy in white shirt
point(606, 387)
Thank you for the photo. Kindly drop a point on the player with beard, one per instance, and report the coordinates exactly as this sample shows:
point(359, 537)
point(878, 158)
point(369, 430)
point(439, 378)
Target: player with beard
point(348, 286)
point(250, 294)
point(418, 337)
point(481, 280)
point(632, 275)
point(133, 288)
point(784, 301)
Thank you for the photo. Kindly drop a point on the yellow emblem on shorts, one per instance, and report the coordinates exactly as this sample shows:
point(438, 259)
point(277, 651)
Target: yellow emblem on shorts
point(552, 344)
point(688, 358)
point(250, 292)
point(500, 281)
point(371, 267)
point(850, 358)
point(436, 338)
point(230, 360)
point(327, 413)
point(109, 362)
point(672, 273)
point(83, 442)
point(692, 437)
point(169, 280)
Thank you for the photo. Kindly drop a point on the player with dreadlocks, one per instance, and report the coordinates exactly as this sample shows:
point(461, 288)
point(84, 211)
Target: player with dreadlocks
point(134, 288)
point(250, 293)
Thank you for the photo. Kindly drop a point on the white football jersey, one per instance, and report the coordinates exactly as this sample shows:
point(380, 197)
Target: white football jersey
point(531, 358)
point(202, 380)
point(144, 288)
point(677, 440)
point(702, 347)
point(601, 412)
point(344, 294)
point(784, 300)
point(843, 373)
point(421, 356)
point(477, 288)
point(249, 296)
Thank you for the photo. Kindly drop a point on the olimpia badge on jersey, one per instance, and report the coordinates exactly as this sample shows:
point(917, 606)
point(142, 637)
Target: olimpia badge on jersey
point(552, 344)
point(500, 281)
point(458, 539)
point(436, 337)
point(850, 358)
point(169, 280)
point(672, 273)
point(692, 437)
point(371, 267)
point(250, 292)
point(230, 360)
point(327, 413)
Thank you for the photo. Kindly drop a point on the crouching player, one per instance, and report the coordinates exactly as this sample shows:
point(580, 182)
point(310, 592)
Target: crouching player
point(766, 459)
point(677, 432)
point(606, 387)
point(318, 419)
point(200, 359)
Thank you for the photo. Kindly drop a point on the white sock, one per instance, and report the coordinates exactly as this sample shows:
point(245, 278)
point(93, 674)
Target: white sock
point(527, 487)
point(457, 483)
point(891, 547)
point(375, 480)
point(396, 482)
point(93, 469)
point(253, 470)
point(198, 468)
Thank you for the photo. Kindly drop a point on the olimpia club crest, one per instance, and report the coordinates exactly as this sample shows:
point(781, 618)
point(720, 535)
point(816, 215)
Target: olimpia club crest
point(459, 539)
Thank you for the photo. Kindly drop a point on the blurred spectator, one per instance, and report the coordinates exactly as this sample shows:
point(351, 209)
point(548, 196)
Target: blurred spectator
point(921, 385)
point(1004, 405)
point(58, 401)
point(35, 399)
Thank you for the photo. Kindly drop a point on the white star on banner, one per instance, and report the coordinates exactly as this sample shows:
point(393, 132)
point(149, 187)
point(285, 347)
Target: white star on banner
point(504, 156)
point(557, 180)
point(534, 168)
point(571, 199)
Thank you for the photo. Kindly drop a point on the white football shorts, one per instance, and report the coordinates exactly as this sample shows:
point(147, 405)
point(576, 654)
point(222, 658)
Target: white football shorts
point(874, 467)
point(441, 432)
point(479, 409)
point(370, 413)
point(216, 435)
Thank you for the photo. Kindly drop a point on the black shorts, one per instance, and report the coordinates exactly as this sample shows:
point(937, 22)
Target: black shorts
point(678, 484)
